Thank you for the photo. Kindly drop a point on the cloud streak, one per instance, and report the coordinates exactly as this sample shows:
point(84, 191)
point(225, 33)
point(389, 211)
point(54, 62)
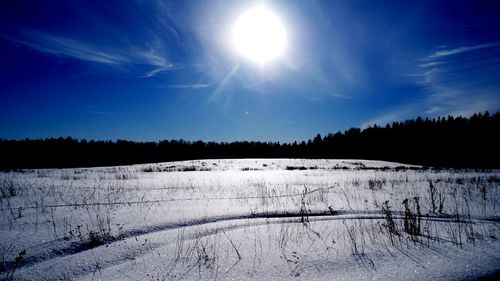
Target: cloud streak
point(460, 81)
point(121, 58)
point(382, 120)
point(460, 50)
point(75, 49)
point(190, 86)
point(160, 64)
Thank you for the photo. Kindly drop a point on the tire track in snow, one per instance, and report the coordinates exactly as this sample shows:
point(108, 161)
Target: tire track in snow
point(239, 221)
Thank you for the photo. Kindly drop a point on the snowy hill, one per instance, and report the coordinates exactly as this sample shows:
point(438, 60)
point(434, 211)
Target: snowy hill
point(250, 219)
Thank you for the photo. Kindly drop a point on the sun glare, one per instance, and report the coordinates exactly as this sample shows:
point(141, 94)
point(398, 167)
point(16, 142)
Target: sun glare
point(259, 35)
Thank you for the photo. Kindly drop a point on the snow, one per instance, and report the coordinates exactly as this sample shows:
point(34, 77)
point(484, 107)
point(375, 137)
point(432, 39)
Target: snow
point(249, 219)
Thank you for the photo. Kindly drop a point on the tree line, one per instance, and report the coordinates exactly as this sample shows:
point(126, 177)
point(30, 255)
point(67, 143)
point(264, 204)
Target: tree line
point(440, 142)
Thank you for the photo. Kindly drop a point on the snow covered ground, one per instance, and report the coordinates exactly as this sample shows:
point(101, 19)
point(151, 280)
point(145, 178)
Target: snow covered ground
point(251, 219)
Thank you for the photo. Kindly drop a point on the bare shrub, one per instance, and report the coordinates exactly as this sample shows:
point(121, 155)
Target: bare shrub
point(441, 203)
point(206, 250)
point(304, 218)
point(356, 238)
point(8, 188)
point(375, 184)
point(390, 225)
point(411, 222)
point(419, 214)
point(17, 262)
point(432, 196)
point(291, 168)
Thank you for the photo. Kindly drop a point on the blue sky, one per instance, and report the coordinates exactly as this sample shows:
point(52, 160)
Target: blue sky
point(152, 70)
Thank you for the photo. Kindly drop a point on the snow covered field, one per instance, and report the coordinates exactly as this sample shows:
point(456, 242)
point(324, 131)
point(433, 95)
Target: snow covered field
point(252, 219)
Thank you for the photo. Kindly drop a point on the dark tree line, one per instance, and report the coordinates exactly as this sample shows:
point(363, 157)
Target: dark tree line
point(446, 142)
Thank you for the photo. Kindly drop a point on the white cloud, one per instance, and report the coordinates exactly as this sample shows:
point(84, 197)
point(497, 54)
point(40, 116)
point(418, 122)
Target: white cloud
point(449, 52)
point(190, 86)
point(453, 82)
point(400, 114)
point(430, 64)
point(153, 58)
point(463, 85)
point(118, 57)
point(60, 46)
point(433, 110)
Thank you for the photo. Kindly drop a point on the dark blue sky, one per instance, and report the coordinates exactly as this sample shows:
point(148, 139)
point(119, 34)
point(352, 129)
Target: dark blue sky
point(151, 70)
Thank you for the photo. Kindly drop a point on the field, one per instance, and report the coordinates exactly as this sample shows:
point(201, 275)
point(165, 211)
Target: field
point(252, 219)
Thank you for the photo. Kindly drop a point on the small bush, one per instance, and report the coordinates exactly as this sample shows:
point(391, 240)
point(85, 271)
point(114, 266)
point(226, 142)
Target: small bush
point(250, 169)
point(412, 220)
point(18, 262)
point(7, 188)
point(150, 169)
point(304, 217)
point(375, 184)
point(391, 226)
point(95, 239)
point(432, 196)
point(291, 168)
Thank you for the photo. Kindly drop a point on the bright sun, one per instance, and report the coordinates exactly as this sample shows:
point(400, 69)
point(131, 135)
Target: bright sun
point(259, 35)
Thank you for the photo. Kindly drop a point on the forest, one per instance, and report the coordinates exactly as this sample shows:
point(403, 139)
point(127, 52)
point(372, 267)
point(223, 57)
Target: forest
point(455, 142)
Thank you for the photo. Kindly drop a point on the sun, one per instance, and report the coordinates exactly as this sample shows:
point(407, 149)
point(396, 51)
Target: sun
point(259, 35)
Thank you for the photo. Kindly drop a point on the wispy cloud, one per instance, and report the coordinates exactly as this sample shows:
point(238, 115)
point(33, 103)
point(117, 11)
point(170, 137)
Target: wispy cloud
point(400, 114)
point(461, 81)
point(154, 58)
point(432, 110)
point(124, 58)
point(459, 50)
point(457, 81)
point(190, 86)
point(433, 63)
point(75, 49)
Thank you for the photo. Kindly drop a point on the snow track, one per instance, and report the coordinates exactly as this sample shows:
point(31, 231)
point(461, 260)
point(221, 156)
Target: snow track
point(210, 226)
